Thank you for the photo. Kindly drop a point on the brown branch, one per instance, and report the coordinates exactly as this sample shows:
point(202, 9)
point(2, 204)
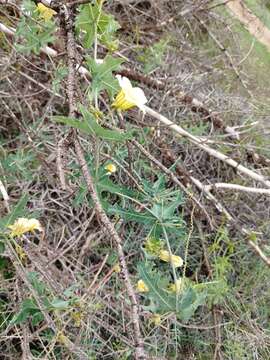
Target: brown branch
point(73, 348)
point(106, 223)
point(194, 104)
point(232, 221)
point(225, 51)
point(186, 176)
point(103, 218)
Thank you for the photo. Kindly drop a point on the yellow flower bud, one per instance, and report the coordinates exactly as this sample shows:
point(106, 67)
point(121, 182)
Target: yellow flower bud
point(77, 317)
point(175, 260)
point(142, 287)
point(21, 253)
point(117, 268)
point(111, 168)
point(45, 12)
point(62, 339)
point(177, 286)
point(156, 319)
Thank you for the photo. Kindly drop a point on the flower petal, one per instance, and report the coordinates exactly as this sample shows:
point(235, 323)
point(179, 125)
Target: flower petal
point(124, 82)
point(137, 97)
point(23, 225)
point(128, 96)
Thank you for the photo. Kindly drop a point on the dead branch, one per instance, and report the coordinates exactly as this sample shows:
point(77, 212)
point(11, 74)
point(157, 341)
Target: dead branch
point(236, 187)
point(5, 195)
point(212, 152)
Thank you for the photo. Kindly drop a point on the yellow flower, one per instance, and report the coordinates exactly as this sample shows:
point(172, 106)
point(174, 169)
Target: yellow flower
point(156, 319)
point(116, 268)
point(21, 253)
point(153, 246)
point(129, 96)
point(176, 287)
point(142, 287)
point(61, 338)
point(111, 168)
point(23, 225)
point(45, 12)
point(77, 317)
point(175, 260)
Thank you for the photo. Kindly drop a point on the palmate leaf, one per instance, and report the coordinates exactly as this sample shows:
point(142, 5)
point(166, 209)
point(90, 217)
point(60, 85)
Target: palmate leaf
point(98, 130)
point(188, 303)
point(29, 308)
point(102, 74)
point(165, 210)
point(32, 32)
point(74, 123)
point(17, 211)
point(157, 284)
point(89, 125)
point(37, 284)
point(132, 215)
point(164, 301)
point(91, 17)
point(106, 184)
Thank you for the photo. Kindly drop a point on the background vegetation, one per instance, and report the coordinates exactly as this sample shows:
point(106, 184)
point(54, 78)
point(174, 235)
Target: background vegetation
point(67, 292)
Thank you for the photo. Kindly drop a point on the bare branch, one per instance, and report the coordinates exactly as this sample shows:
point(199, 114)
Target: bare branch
point(237, 187)
point(218, 155)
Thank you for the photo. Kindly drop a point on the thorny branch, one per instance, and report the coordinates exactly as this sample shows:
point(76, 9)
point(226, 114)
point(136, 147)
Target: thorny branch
point(104, 220)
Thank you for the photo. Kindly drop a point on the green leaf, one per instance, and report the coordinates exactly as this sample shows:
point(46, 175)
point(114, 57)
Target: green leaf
point(70, 291)
point(16, 212)
point(106, 184)
point(2, 247)
point(102, 76)
point(28, 308)
point(32, 33)
point(3, 263)
point(189, 301)
point(89, 126)
point(157, 284)
point(59, 304)
point(29, 6)
point(132, 215)
point(98, 130)
point(38, 285)
point(59, 75)
point(86, 21)
point(163, 301)
point(76, 124)
point(92, 17)
point(37, 318)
